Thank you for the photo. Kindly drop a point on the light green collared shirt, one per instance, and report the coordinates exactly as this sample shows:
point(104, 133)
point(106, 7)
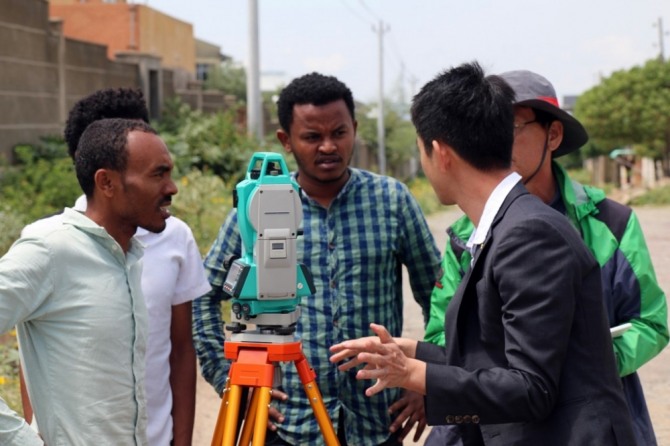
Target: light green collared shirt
point(76, 300)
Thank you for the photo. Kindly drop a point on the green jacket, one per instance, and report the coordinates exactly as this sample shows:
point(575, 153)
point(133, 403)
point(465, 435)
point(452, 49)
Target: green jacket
point(630, 290)
point(614, 236)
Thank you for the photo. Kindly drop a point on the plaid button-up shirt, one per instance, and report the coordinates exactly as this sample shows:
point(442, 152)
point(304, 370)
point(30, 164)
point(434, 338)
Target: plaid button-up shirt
point(354, 250)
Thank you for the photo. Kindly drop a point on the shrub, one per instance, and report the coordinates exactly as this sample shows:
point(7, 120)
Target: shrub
point(659, 196)
point(211, 143)
point(42, 181)
point(423, 192)
point(203, 202)
point(11, 224)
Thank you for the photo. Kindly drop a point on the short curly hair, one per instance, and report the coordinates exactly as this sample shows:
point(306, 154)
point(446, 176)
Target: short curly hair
point(126, 103)
point(104, 145)
point(313, 88)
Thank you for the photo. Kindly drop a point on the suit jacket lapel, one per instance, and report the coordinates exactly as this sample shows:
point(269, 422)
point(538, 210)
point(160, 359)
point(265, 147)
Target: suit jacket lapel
point(454, 308)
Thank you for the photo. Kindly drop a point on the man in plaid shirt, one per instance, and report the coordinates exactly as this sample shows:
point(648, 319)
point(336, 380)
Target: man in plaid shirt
point(359, 229)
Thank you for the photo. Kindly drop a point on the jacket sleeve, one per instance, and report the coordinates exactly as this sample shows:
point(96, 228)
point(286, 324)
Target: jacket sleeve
point(419, 253)
point(208, 334)
point(640, 301)
point(455, 263)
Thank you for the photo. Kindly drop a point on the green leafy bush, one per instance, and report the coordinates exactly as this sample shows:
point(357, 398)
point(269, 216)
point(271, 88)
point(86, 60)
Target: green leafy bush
point(203, 202)
point(423, 192)
point(11, 224)
point(41, 182)
point(212, 143)
point(659, 196)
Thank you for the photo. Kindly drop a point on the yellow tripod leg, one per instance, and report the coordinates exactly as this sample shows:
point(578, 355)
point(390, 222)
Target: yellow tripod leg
point(232, 412)
point(247, 430)
point(261, 423)
point(319, 409)
point(255, 369)
point(217, 439)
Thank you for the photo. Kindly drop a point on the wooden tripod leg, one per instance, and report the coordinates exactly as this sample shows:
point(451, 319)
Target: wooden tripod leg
point(217, 439)
point(307, 377)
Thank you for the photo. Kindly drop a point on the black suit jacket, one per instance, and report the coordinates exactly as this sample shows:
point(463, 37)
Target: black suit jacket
point(528, 353)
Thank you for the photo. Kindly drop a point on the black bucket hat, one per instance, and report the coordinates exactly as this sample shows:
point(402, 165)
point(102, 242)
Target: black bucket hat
point(533, 90)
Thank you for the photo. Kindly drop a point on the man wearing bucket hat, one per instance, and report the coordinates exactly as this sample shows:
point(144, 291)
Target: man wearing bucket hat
point(542, 132)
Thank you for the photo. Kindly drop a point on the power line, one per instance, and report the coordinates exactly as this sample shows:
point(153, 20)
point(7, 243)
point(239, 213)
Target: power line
point(354, 12)
point(370, 11)
point(395, 47)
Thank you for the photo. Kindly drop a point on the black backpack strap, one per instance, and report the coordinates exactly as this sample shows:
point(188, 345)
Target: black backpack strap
point(457, 246)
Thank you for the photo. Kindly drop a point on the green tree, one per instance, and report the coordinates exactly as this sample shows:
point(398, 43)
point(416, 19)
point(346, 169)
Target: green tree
point(630, 108)
point(230, 79)
point(399, 134)
point(213, 143)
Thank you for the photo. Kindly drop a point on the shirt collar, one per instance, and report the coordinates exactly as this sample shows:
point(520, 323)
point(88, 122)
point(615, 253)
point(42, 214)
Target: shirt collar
point(354, 178)
point(79, 220)
point(80, 205)
point(491, 209)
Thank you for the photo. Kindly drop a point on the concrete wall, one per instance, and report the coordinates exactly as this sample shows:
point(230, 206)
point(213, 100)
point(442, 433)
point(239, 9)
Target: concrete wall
point(29, 98)
point(42, 74)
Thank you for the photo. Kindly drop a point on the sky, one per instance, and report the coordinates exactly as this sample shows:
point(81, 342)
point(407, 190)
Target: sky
point(573, 43)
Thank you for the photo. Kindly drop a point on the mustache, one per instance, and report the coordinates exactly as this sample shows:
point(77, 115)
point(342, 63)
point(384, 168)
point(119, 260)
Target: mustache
point(166, 201)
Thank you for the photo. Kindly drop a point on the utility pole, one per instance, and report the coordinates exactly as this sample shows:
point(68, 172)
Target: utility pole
point(254, 104)
point(661, 37)
point(380, 110)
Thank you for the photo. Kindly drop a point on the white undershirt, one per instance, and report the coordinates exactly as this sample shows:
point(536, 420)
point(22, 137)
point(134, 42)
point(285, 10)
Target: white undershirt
point(491, 209)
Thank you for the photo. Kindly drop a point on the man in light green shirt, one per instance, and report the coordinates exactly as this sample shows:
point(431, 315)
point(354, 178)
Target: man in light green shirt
point(74, 294)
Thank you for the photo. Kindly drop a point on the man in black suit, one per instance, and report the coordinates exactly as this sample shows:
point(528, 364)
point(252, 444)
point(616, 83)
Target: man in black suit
point(528, 357)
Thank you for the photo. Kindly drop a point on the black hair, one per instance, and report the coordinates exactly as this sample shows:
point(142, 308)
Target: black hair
point(470, 112)
point(313, 88)
point(124, 103)
point(104, 145)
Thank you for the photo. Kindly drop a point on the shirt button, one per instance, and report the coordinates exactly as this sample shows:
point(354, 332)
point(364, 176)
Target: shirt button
point(467, 419)
point(475, 419)
point(333, 284)
point(336, 323)
point(449, 419)
point(458, 419)
point(331, 246)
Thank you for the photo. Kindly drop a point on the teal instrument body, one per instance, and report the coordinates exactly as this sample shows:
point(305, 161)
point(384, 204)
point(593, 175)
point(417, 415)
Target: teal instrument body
point(267, 279)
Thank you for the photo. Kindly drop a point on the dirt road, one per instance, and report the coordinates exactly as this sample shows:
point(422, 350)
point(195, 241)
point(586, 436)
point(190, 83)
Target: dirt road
point(655, 222)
